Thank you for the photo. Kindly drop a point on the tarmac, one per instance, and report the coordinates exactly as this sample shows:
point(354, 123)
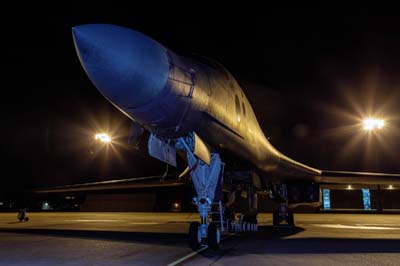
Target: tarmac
point(77, 238)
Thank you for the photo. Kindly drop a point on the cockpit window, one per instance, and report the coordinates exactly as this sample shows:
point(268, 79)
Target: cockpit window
point(212, 63)
point(206, 61)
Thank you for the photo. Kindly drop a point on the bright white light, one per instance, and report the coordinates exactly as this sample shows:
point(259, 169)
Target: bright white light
point(103, 137)
point(349, 187)
point(390, 187)
point(373, 123)
point(176, 205)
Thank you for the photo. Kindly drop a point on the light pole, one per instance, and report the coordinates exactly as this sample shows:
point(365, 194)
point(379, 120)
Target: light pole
point(372, 125)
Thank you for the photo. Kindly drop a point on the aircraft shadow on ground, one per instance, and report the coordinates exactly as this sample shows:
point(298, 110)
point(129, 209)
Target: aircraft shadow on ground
point(162, 238)
point(177, 239)
point(269, 240)
point(278, 232)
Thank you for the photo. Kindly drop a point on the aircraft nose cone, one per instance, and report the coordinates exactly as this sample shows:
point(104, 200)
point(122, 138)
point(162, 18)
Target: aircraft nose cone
point(127, 67)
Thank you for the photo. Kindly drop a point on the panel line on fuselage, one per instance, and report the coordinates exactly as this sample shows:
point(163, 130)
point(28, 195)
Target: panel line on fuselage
point(224, 126)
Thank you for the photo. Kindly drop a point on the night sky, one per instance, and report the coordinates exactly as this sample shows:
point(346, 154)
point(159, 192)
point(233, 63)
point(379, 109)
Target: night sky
point(310, 74)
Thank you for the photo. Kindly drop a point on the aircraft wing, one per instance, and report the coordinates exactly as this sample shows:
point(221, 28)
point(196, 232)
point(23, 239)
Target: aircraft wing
point(137, 182)
point(295, 169)
point(344, 177)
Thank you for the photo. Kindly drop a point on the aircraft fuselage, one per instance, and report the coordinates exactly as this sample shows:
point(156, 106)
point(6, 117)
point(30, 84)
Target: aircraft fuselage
point(171, 95)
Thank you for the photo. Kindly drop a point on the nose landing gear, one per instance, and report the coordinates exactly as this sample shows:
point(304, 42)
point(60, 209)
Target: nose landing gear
point(207, 181)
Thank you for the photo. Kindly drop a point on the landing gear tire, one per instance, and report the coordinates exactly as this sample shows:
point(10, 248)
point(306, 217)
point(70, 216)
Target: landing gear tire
point(214, 236)
point(194, 235)
point(290, 219)
point(275, 218)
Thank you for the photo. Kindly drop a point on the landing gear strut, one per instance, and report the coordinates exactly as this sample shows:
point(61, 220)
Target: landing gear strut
point(283, 215)
point(207, 180)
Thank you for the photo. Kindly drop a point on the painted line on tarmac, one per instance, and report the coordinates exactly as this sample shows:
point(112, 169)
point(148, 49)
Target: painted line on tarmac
point(110, 221)
point(145, 223)
point(194, 253)
point(359, 226)
point(88, 220)
point(389, 225)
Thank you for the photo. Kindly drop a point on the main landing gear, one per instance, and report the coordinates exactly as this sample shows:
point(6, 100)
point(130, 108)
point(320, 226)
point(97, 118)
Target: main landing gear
point(22, 216)
point(283, 215)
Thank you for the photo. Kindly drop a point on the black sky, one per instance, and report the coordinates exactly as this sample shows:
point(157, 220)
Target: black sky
point(304, 71)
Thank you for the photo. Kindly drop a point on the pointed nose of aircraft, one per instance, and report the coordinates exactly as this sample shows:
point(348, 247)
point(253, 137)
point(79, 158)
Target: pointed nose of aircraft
point(127, 67)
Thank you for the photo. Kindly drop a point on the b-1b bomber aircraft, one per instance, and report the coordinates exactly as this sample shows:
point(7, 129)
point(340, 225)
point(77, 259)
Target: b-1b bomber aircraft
point(193, 107)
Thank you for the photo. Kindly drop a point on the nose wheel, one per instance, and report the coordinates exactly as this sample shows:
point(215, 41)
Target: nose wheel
point(213, 236)
point(194, 235)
